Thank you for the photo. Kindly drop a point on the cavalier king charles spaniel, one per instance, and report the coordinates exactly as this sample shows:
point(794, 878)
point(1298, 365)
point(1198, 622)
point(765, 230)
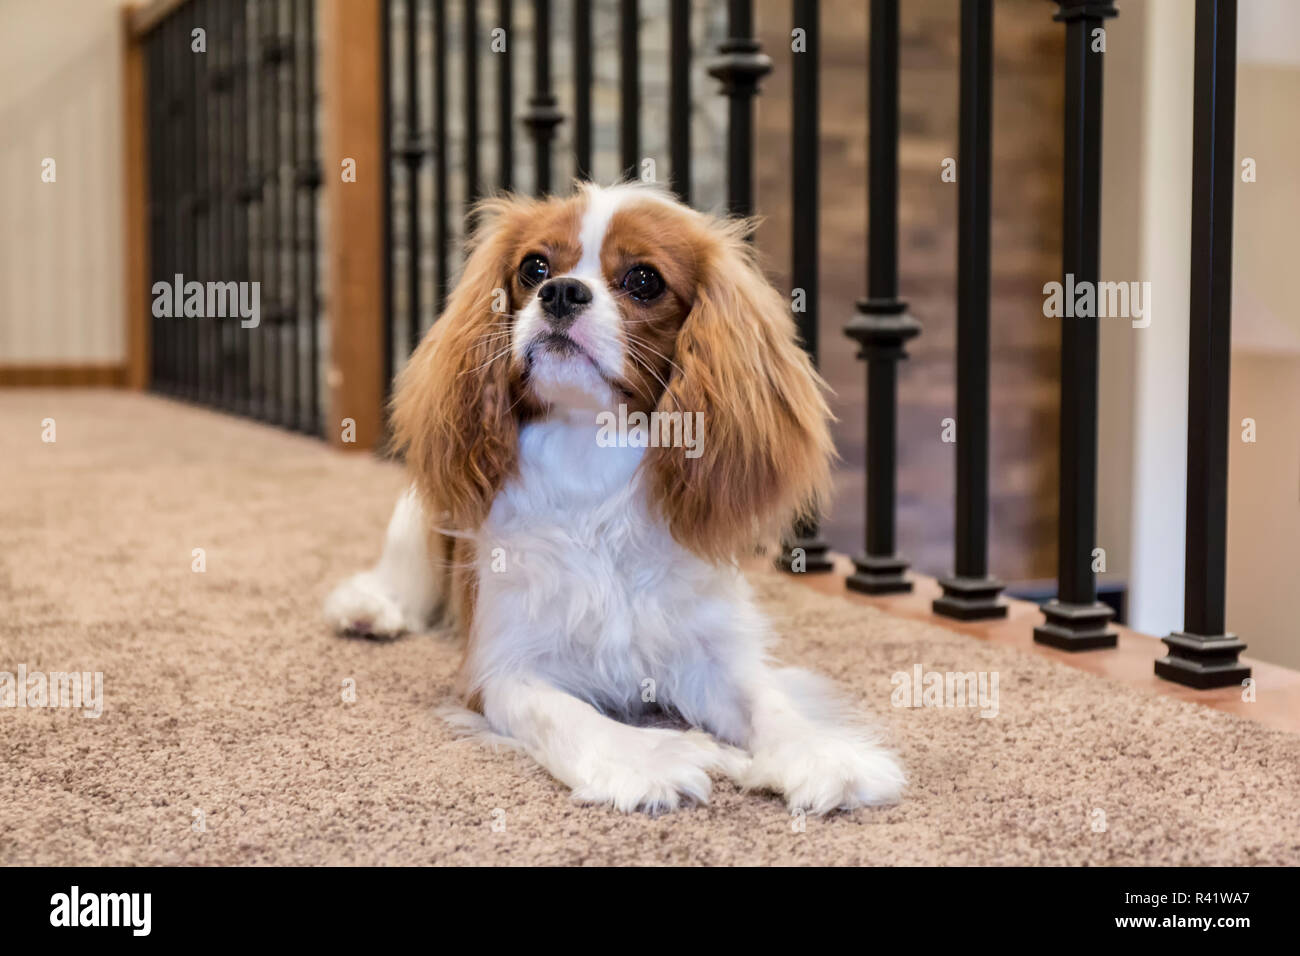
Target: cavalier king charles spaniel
point(595, 581)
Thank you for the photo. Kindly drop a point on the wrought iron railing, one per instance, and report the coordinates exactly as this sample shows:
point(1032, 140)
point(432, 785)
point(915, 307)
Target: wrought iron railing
point(233, 176)
point(234, 173)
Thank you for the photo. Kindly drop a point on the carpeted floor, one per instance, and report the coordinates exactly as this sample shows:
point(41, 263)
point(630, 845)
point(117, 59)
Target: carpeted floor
point(225, 738)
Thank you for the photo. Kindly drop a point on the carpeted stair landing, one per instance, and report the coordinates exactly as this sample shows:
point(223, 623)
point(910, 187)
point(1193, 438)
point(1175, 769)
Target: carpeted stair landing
point(226, 739)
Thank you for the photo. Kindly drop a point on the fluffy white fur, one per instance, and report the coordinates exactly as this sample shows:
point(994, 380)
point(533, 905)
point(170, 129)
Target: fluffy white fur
point(589, 615)
point(401, 592)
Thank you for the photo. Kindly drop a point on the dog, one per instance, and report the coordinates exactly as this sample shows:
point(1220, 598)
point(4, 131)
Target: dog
point(597, 582)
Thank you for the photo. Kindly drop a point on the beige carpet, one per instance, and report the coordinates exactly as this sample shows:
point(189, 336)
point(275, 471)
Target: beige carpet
point(223, 695)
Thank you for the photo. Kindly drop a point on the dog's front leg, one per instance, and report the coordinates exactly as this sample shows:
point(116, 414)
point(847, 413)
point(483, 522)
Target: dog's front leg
point(806, 744)
point(810, 746)
point(403, 590)
point(601, 760)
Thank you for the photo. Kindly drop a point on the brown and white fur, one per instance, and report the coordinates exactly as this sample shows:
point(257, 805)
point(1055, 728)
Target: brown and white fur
point(592, 584)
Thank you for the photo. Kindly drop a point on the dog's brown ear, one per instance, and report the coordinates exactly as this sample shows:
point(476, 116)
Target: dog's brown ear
point(453, 408)
point(765, 445)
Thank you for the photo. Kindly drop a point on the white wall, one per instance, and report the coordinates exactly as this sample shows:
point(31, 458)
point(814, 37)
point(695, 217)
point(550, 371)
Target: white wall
point(1122, 215)
point(1146, 237)
point(60, 243)
point(1161, 351)
point(1264, 507)
point(1264, 476)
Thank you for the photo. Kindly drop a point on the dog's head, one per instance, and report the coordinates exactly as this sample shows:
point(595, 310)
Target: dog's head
point(620, 296)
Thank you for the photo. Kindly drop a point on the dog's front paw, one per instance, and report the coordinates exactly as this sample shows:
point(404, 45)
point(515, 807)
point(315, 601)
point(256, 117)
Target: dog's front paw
point(653, 770)
point(361, 606)
point(827, 772)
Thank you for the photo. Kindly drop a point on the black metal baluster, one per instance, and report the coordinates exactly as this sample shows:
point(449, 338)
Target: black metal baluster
point(180, 196)
point(679, 96)
point(286, 328)
point(226, 191)
point(970, 593)
point(629, 88)
point(271, 62)
point(440, 197)
point(192, 169)
point(806, 552)
point(219, 48)
point(160, 149)
point(157, 202)
point(209, 327)
point(250, 126)
point(202, 206)
point(263, 356)
point(287, 131)
point(229, 201)
point(543, 113)
point(387, 158)
point(247, 194)
point(740, 65)
point(473, 185)
point(259, 336)
point(883, 325)
point(271, 210)
point(1204, 653)
point(412, 153)
point(1076, 620)
point(265, 218)
point(301, 200)
point(215, 323)
point(505, 98)
point(167, 103)
point(213, 145)
point(212, 187)
point(155, 108)
point(582, 89)
point(310, 179)
point(189, 203)
point(181, 63)
point(180, 44)
point(177, 49)
point(300, 42)
point(224, 196)
point(286, 118)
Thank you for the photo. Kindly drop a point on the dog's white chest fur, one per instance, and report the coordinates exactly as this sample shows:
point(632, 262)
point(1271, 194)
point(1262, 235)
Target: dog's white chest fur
point(586, 605)
point(580, 582)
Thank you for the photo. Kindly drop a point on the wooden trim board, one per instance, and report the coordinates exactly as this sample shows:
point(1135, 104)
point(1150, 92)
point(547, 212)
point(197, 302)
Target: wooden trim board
point(63, 376)
point(1277, 688)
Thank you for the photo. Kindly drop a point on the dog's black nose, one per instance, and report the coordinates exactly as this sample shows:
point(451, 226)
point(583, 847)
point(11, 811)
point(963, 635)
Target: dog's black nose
point(562, 300)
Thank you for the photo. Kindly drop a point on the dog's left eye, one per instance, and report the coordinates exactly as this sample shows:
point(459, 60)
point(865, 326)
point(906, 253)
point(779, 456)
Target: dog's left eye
point(643, 283)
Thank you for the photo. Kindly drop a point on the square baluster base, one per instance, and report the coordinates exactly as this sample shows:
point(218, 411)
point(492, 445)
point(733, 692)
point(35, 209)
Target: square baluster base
point(879, 574)
point(1076, 627)
point(1200, 661)
point(970, 599)
point(813, 559)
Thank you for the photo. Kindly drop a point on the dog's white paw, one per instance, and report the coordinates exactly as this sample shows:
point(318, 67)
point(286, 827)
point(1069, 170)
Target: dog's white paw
point(652, 769)
point(733, 763)
point(360, 605)
point(827, 772)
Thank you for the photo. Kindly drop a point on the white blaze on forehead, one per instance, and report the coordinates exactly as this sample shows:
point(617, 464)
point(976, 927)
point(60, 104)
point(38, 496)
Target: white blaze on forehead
point(601, 206)
point(602, 203)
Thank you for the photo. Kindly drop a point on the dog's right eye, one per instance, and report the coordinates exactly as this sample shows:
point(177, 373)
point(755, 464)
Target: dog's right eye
point(534, 270)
